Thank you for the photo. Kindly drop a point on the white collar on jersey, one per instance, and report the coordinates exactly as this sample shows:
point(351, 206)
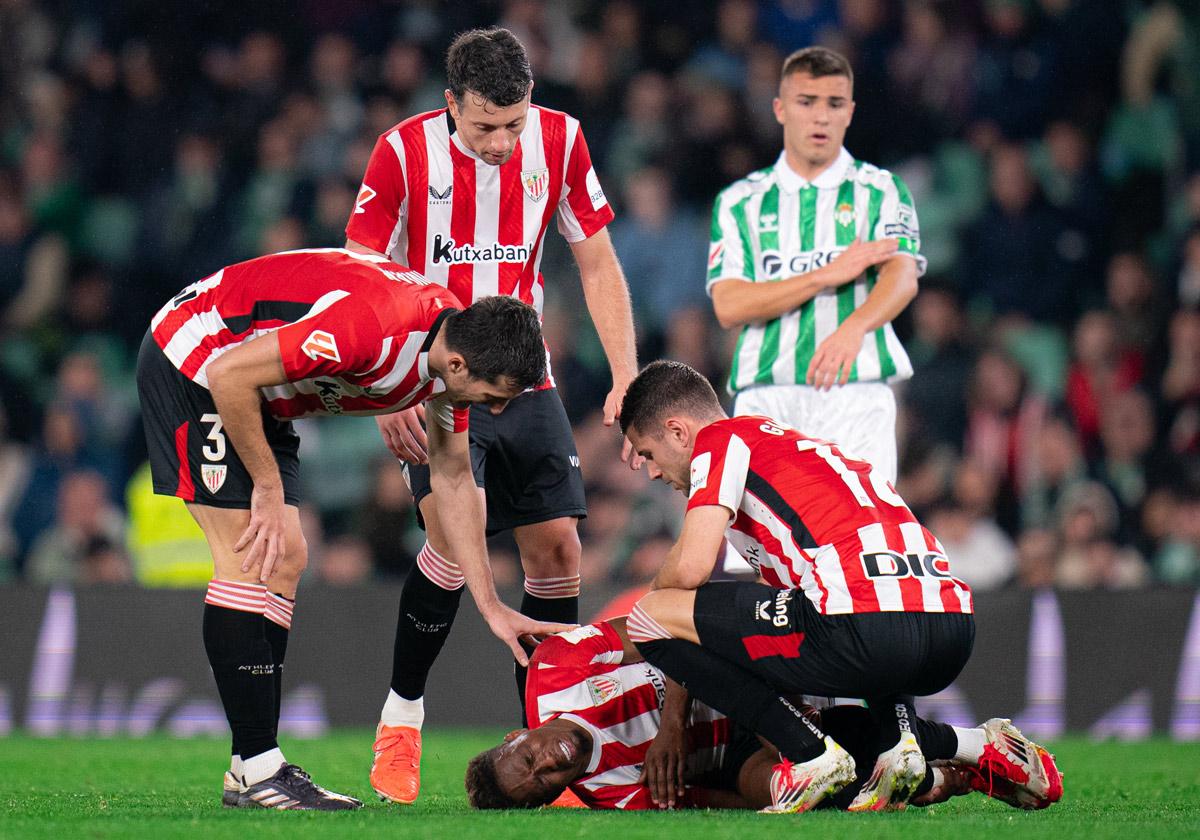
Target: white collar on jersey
point(462, 147)
point(831, 178)
point(597, 738)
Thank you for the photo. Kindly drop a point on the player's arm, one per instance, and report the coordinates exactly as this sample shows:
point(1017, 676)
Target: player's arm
point(454, 487)
point(738, 301)
point(234, 380)
point(691, 560)
point(607, 296)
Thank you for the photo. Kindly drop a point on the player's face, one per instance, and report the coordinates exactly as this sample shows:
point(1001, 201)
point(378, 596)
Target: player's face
point(488, 130)
point(463, 389)
point(814, 113)
point(668, 454)
point(535, 766)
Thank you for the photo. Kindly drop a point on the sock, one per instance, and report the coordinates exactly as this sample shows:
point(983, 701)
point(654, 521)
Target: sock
point(277, 626)
point(242, 663)
point(236, 768)
point(970, 744)
point(263, 766)
point(400, 711)
point(892, 717)
point(737, 694)
point(546, 599)
point(428, 604)
point(938, 741)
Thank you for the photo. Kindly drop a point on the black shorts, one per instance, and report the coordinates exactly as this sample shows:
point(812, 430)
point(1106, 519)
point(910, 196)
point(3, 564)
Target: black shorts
point(525, 460)
point(742, 744)
point(779, 635)
point(190, 455)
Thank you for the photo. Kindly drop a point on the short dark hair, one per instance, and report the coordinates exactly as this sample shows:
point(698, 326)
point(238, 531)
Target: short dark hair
point(664, 387)
point(499, 336)
point(817, 62)
point(490, 62)
point(483, 787)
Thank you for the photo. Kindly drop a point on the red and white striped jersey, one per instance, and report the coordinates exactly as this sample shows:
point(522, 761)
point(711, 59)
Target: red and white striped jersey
point(808, 517)
point(354, 331)
point(578, 675)
point(477, 229)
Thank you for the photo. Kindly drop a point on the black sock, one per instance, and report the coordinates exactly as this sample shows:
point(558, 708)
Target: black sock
point(558, 610)
point(854, 728)
point(426, 614)
point(737, 694)
point(277, 638)
point(938, 741)
point(244, 669)
point(892, 716)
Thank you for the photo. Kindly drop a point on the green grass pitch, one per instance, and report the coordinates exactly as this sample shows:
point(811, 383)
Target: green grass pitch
point(158, 787)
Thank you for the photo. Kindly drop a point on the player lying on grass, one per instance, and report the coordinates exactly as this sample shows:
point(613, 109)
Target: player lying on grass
point(226, 366)
point(609, 726)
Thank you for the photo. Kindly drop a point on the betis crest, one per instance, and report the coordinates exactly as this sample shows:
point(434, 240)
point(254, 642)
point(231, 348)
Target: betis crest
point(845, 214)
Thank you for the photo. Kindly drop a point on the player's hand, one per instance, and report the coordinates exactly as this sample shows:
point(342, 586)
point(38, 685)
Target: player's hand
point(663, 769)
point(834, 359)
point(630, 457)
point(511, 627)
point(612, 412)
point(404, 434)
point(859, 256)
point(264, 534)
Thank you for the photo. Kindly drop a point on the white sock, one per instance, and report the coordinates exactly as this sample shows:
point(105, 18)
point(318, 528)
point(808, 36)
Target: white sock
point(263, 766)
point(235, 766)
point(400, 712)
point(970, 744)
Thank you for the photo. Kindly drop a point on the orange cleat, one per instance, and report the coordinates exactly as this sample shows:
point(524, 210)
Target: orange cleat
point(396, 770)
point(567, 799)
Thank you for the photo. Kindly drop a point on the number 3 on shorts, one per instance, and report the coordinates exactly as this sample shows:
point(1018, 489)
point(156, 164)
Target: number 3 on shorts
point(216, 452)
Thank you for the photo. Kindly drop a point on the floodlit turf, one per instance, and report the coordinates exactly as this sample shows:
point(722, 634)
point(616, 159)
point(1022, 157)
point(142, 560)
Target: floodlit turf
point(159, 787)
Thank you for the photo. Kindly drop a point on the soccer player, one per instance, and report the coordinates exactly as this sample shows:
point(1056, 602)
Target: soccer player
point(225, 367)
point(601, 715)
point(812, 258)
point(465, 195)
point(876, 612)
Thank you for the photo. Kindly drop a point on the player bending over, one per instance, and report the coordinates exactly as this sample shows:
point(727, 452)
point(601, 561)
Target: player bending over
point(225, 367)
point(610, 727)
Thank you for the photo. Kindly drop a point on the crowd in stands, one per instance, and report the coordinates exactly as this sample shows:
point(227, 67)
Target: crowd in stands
point(1050, 435)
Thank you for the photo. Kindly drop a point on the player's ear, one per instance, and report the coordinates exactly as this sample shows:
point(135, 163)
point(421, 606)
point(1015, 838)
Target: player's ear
point(514, 735)
point(451, 104)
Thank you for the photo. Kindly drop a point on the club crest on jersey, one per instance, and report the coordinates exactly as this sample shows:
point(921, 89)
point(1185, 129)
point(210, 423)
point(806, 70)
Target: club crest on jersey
point(321, 345)
point(844, 214)
point(442, 197)
point(213, 476)
point(603, 688)
point(364, 195)
point(535, 182)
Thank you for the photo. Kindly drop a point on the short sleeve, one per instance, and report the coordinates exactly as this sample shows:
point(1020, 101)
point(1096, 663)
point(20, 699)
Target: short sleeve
point(454, 419)
point(898, 219)
point(583, 208)
point(342, 338)
point(720, 465)
point(380, 203)
point(729, 253)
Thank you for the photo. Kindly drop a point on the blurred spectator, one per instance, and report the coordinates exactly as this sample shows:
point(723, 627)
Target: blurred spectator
point(1134, 300)
point(1127, 463)
point(942, 362)
point(1015, 71)
point(387, 520)
point(1188, 281)
point(980, 552)
point(642, 134)
point(929, 65)
point(33, 264)
point(1037, 558)
point(1011, 259)
point(1098, 373)
point(662, 249)
point(1178, 561)
point(1058, 468)
point(723, 60)
point(1090, 559)
point(86, 541)
point(1181, 384)
point(344, 561)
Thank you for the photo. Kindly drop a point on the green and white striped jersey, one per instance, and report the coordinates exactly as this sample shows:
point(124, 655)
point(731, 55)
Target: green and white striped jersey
point(773, 224)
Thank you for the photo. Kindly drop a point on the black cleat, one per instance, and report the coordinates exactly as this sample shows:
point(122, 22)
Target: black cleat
point(291, 789)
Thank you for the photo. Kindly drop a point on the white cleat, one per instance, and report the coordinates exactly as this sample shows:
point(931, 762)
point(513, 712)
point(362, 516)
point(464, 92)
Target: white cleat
point(796, 788)
point(897, 774)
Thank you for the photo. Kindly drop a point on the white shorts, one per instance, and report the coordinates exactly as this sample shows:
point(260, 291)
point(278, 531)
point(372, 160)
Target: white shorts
point(860, 417)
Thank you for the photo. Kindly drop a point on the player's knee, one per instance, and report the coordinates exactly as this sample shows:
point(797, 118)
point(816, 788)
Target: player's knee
point(554, 554)
point(294, 561)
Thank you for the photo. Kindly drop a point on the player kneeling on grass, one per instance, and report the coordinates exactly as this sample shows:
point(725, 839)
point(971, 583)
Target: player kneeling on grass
point(615, 732)
point(861, 601)
point(227, 364)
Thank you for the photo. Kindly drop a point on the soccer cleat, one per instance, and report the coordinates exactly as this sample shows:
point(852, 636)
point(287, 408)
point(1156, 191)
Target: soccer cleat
point(951, 779)
point(796, 788)
point(231, 793)
point(1015, 770)
point(396, 770)
point(291, 789)
point(897, 774)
